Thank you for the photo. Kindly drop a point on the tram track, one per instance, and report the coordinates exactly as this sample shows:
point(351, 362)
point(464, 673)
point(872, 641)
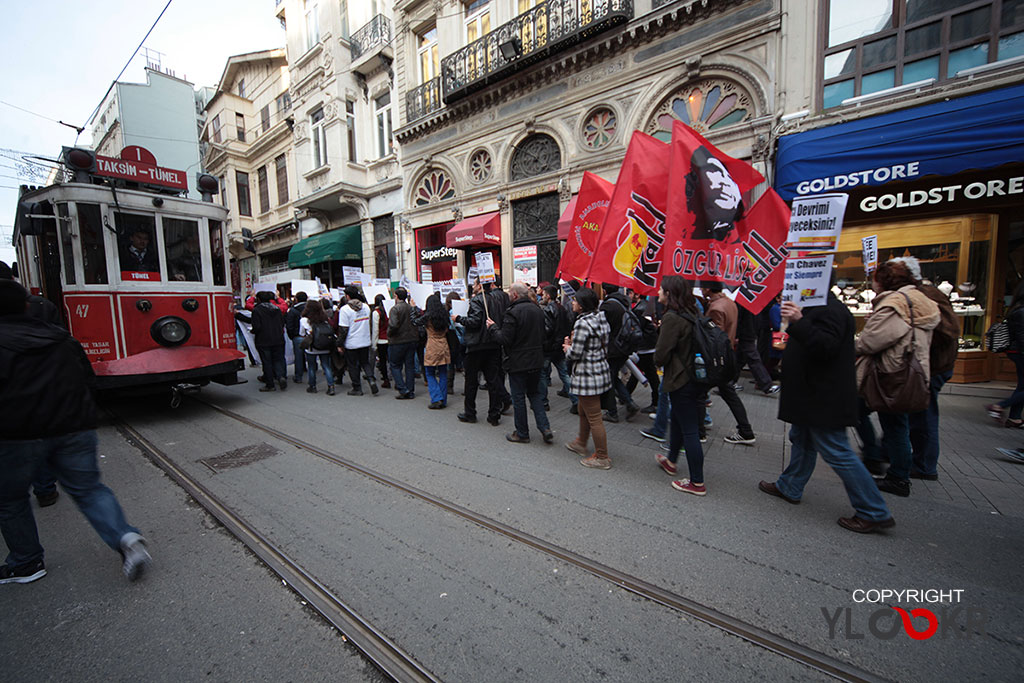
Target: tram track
point(381, 653)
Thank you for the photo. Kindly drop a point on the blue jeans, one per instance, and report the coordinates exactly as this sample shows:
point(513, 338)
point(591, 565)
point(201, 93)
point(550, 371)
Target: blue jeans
point(73, 458)
point(924, 429)
point(274, 367)
point(402, 358)
point(325, 363)
point(660, 427)
point(684, 431)
point(437, 383)
point(866, 431)
point(45, 481)
point(834, 448)
point(896, 444)
point(300, 358)
point(1016, 400)
point(523, 385)
point(557, 360)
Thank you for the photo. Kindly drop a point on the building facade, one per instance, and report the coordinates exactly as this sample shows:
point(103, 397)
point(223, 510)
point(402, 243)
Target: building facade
point(348, 181)
point(915, 110)
point(163, 115)
point(248, 148)
point(506, 103)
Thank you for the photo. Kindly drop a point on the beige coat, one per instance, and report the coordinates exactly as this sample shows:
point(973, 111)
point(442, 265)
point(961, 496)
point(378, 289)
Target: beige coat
point(887, 332)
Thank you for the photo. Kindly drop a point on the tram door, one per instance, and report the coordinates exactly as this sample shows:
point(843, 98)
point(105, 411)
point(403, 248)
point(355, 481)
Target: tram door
point(49, 259)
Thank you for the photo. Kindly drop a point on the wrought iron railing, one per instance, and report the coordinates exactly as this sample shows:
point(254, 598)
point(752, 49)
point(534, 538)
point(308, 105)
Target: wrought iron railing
point(377, 32)
point(534, 34)
point(423, 100)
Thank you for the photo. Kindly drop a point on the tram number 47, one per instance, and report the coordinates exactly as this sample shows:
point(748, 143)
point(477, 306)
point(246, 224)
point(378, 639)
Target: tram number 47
point(82, 310)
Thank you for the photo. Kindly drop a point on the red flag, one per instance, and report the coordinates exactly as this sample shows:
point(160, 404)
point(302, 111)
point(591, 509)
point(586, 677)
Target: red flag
point(713, 233)
point(591, 206)
point(628, 251)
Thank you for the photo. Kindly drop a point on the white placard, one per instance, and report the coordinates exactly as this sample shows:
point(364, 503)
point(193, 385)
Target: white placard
point(485, 266)
point(420, 293)
point(352, 275)
point(308, 286)
point(460, 307)
point(372, 291)
point(405, 282)
point(382, 282)
point(336, 294)
point(816, 221)
point(472, 275)
point(265, 287)
point(807, 280)
point(388, 305)
point(870, 247)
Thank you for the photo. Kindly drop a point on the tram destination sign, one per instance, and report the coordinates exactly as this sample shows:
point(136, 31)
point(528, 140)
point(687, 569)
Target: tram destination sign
point(139, 165)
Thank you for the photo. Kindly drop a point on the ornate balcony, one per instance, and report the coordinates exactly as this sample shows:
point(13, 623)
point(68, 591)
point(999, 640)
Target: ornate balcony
point(533, 35)
point(372, 37)
point(423, 100)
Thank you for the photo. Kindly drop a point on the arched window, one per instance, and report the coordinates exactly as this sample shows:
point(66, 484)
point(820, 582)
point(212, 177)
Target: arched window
point(536, 155)
point(436, 186)
point(705, 106)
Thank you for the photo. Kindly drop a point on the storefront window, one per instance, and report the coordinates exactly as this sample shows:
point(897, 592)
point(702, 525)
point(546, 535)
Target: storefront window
point(434, 259)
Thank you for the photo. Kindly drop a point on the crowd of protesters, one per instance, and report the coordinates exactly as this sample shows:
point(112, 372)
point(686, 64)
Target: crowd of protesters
point(603, 349)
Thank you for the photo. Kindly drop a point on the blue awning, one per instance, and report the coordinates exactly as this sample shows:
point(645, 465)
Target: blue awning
point(974, 132)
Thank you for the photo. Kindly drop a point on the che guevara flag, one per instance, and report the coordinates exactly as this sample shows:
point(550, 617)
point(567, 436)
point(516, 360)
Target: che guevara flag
point(629, 250)
point(713, 233)
point(591, 206)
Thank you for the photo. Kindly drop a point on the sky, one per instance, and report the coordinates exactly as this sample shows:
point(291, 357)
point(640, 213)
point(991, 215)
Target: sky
point(63, 55)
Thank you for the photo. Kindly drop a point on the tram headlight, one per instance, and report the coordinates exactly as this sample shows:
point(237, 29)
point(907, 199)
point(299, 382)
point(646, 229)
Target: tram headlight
point(170, 331)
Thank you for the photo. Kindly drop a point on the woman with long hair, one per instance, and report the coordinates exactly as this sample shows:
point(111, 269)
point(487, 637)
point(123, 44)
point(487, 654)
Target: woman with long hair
point(587, 349)
point(1015, 402)
point(436, 356)
point(379, 328)
point(901, 317)
point(675, 353)
point(312, 315)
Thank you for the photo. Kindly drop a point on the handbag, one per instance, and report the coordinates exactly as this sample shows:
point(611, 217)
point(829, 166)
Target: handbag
point(906, 390)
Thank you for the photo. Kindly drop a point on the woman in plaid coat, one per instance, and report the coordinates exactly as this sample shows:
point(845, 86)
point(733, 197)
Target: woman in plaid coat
point(587, 348)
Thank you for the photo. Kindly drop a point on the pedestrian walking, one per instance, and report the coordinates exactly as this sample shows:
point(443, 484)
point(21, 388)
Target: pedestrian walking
point(724, 312)
point(379, 327)
point(675, 353)
point(437, 355)
point(354, 329)
point(645, 315)
point(902, 318)
point(482, 355)
point(268, 333)
point(615, 307)
point(556, 329)
point(46, 398)
point(456, 348)
point(318, 342)
point(521, 334)
point(402, 342)
point(747, 353)
point(291, 324)
point(587, 349)
point(1008, 411)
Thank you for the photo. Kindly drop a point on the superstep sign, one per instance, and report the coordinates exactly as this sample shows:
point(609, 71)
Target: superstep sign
point(139, 165)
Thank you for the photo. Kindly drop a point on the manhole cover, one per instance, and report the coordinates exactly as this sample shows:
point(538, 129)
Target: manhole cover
point(240, 457)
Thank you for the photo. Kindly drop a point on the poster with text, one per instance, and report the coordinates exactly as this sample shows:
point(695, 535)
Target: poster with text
point(485, 266)
point(807, 280)
point(815, 222)
point(352, 275)
point(870, 246)
point(524, 263)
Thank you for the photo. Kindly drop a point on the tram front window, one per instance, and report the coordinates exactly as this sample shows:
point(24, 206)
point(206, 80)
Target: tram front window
point(137, 247)
point(217, 251)
point(94, 257)
point(184, 262)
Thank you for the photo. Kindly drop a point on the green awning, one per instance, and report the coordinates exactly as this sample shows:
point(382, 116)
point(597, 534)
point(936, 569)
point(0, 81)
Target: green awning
point(343, 244)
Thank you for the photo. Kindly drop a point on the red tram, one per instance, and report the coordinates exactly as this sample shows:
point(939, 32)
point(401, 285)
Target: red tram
point(139, 272)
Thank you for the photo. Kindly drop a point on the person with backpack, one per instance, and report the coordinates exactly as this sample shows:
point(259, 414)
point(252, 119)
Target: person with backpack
point(379, 327)
point(318, 340)
point(268, 332)
point(354, 328)
point(556, 329)
point(625, 339)
point(1015, 402)
point(675, 353)
point(724, 312)
point(291, 326)
point(587, 349)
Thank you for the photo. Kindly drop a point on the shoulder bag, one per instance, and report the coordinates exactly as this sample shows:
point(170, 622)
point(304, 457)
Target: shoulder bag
point(905, 390)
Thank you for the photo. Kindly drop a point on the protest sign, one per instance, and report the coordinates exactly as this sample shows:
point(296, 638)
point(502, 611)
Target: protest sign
point(371, 292)
point(382, 282)
point(352, 275)
point(807, 279)
point(815, 222)
point(404, 282)
point(388, 305)
point(460, 307)
point(485, 267)
point(870, 246)
point(472, 275)
point(420, 293)
point(568, 290)
point(524, 264)
point(310, 287)
point(335, 294)
point(266, 287)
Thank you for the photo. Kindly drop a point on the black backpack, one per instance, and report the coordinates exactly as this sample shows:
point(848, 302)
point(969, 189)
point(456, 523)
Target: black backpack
point(714, 346)
point(630, 334)
point(650, 333)
point(323, 337)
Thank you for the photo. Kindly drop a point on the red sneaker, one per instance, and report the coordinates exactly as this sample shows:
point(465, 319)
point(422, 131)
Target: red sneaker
point(665, 464)
point(687, 486)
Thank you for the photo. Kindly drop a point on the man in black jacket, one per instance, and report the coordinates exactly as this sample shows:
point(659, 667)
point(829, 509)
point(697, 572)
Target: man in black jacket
point(291, 324)
point(46, 385)
point(819, 400)
point(268, 332)
point(522, 335)
point(403, 338)
point(556, 329)
point(615, 305)
point(482, 355)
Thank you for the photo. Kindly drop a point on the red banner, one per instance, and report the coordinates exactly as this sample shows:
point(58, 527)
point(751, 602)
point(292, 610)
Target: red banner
point(628, 251)
point(713, 233)
point(591, 206)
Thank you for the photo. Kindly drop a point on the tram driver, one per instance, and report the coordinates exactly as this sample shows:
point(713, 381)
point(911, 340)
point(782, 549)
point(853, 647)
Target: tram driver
point(137, 254)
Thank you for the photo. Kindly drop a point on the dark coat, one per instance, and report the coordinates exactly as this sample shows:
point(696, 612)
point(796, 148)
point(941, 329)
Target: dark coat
point(819, 383)
point(400, 327)
point(46, 381)
point(556, 321)
point(474, 323)
point(521, 335)
point(1015, 321)
point(292, 319)
point(613, 311)
point(267, 325)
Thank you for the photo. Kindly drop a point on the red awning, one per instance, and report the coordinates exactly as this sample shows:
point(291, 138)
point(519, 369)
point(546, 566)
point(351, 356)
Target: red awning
point(476, 231)
point(565, 222)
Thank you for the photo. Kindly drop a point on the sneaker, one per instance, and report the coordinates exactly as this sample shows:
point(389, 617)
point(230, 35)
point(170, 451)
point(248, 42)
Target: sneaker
point(995, 411)
point(26, 573)
point(515, 438)
point(649, 409)
point(549, 436)
point(45, 500)
point(597, 463)
point(708, 422)
point(738, 438)
point(610, 417)
point(373, 388)
point(772, 390)
point(704, 438)
point(266, 388)
point(897, 487)
point(665, 464)
point(737, 386)
point(576, 448)
point(136, 557)
point(283, 384)
point(355, 392)
point(463, 417)
point(653, 416)
point(311, 390)
point(649, 434)
point(708, 403)
point(1014, 454)
point(687, 486)
point(330, 390)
